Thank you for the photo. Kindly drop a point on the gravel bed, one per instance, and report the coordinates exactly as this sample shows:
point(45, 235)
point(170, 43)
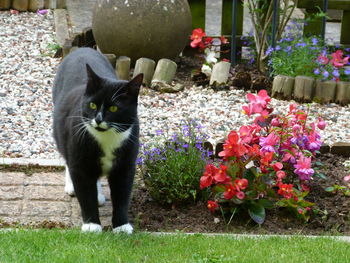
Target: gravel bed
point(27, 73)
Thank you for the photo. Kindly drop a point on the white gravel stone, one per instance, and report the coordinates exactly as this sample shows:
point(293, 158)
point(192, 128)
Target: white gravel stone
point(26, 77)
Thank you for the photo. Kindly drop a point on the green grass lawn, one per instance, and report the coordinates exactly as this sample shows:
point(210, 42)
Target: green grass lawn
point(73, 246)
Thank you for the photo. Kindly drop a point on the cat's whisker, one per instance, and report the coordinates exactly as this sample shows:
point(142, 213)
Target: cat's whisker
point(116, 95)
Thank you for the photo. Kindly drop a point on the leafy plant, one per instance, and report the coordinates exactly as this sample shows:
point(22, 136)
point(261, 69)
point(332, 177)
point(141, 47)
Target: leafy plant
point(171, 168)
point(266, 164)
point(295, 56)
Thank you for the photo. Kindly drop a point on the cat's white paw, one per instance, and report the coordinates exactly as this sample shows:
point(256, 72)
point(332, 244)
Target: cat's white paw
point(91, 227)
point(127, 228)
point(69, 188)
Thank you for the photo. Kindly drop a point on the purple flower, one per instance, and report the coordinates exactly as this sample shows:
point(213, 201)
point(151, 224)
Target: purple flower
point(336, 73)
point(303, 168)
point(347, 71)
point(139, 161)
point(269, 51)
point(325, 74)
point(314, 41)
point(277, 48)
point(42, 11)
point(159, 132)
point(317, 71)
point(288, 49)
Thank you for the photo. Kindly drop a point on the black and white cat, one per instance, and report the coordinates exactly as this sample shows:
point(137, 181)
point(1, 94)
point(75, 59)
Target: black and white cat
point(96, 130)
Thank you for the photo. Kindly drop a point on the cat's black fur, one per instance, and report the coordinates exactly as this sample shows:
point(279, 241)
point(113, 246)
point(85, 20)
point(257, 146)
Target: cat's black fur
point(86, 76)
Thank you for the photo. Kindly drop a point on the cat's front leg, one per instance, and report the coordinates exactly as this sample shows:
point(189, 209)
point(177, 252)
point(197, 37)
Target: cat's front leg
point(120, 184)
point(86, 192)
point(69, 188)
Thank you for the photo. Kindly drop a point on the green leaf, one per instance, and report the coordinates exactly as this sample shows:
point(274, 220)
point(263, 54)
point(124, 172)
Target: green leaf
point(266, 203)
point(321, 175)
point(249, 175)
point(330, 189)
point(257, 213)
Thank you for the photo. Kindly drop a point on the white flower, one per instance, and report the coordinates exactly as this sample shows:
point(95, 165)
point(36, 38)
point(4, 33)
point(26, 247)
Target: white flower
point(206, 70)
point(210, 56)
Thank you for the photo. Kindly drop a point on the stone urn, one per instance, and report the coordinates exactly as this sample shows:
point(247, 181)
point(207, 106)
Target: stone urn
point(142, 28)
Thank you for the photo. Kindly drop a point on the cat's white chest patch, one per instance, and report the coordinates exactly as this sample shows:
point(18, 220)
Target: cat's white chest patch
point(109, 141)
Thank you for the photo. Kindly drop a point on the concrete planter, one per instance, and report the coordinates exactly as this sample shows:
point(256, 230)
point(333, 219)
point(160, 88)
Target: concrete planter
point(138, 29)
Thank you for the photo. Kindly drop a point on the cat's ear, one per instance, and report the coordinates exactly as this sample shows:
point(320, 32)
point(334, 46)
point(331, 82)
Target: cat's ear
point(133, 86)
point(93, 81)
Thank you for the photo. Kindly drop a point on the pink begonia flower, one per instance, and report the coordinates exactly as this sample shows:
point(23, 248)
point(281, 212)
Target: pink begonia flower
point(346, 178)
point(280, 175)
point(240, 195)
point(256, 103)
point(268, 143)
point(321, 124)
point(245, 132)
point(338, 60)
point(303, 168)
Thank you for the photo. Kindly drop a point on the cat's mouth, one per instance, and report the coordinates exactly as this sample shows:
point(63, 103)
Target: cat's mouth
point(100, 129)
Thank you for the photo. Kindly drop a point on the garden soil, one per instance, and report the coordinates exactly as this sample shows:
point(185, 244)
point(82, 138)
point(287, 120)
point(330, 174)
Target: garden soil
point(333, 216)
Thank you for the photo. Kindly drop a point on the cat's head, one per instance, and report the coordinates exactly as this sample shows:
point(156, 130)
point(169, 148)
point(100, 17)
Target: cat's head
point(110, 104)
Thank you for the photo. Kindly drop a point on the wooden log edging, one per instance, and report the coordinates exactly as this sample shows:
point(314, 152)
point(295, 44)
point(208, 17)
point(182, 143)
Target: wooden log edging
point(31, 5)
point(306, 89)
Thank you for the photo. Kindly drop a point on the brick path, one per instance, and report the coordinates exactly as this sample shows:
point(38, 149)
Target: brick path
point(40, 197)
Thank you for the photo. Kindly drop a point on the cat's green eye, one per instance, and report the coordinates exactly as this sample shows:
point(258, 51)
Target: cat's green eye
point(113, 108)
point(93, 106)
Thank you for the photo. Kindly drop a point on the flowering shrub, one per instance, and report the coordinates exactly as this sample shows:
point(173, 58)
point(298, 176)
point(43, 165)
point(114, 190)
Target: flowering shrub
point(266, 164)
point(210, 46)
point(171, 168)
point(295, 56)
point(308, 57)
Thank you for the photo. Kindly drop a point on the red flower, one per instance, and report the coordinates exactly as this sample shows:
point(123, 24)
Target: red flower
point(230, 191)
point(286, 190)
point(241, 183)
point(208, 40)
point(196, 37)
point(266, 158)
point(212, 205)
point(253, 150)
point(208, 176)
point(277, 166)
point(233, 147)
point(220, 176)
point(223, 40)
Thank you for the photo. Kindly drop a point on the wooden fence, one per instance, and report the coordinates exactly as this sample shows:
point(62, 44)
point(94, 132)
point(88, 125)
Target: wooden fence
point(198, 9)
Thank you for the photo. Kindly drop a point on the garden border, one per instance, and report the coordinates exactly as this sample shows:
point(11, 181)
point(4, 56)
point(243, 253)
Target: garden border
point(338, 148)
